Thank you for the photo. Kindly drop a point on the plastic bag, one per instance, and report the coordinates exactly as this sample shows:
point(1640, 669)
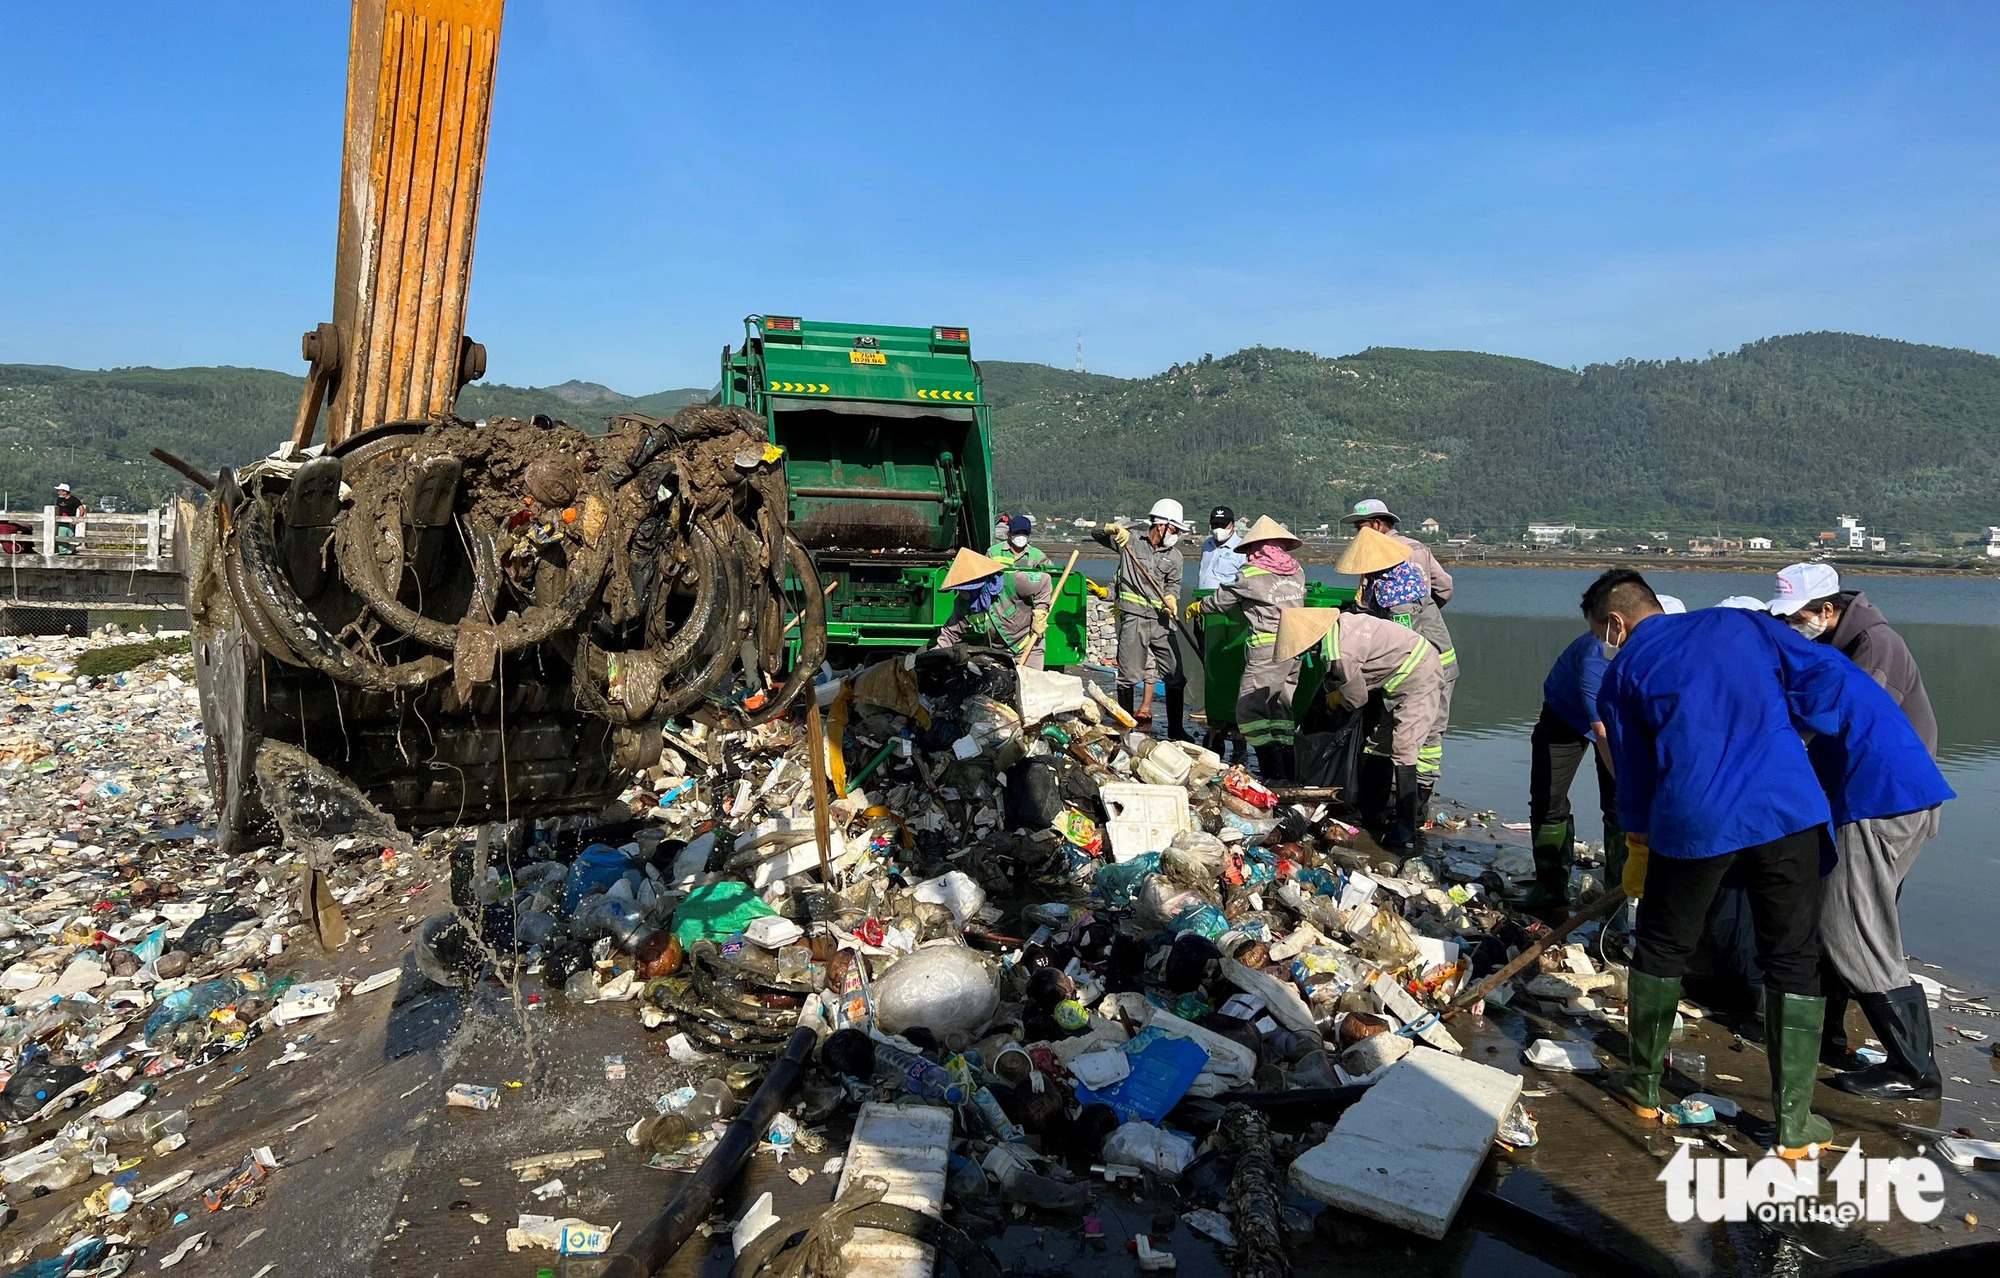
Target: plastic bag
point(1119, 884)
point(1193, 859)
point(1150, 1148)
point(1159, 901)
point(956, 891)
point(944, 988)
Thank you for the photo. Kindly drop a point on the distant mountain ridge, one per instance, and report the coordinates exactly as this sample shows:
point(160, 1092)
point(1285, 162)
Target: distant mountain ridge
point(1784, 434)
point(94, 429)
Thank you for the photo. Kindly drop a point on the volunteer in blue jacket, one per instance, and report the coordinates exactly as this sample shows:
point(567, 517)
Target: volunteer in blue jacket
point(1567, 730)
point(1713, 774)
point(1886, 793)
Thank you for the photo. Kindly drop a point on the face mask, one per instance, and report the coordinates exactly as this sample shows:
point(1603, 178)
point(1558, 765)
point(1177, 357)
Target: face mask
point(1018, 541)
point(1610, 648)
point(1810, 627)
point(1169, 539)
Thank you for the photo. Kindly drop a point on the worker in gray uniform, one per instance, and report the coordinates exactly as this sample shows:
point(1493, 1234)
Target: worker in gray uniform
point(1394, 587)
point(1269, 582)
point(1147, 593)
point(995, 608)
point(1365, 654)
point(1375, 516)
point(1015, 550)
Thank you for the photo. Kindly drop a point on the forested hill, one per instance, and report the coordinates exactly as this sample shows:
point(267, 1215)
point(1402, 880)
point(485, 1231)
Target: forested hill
point(1786, 433)
point(1782, 435)
point(94, 430)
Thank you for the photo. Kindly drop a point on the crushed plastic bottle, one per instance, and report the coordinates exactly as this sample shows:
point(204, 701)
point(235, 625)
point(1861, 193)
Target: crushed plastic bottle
point(916, 1075)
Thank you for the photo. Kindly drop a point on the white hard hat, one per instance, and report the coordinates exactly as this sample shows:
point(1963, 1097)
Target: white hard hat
point(1167, 510)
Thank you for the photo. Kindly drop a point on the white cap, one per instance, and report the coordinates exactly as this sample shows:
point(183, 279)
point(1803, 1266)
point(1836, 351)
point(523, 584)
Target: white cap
point(1750, 602)
point(1670, 604)
point(1167, 510)
point(1800, 584)
point(62, 488)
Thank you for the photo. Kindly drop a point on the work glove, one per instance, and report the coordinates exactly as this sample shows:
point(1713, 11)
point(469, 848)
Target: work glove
point(1039, 625)
point(1121, 537)
point(1637, 851)
point(1193, 609)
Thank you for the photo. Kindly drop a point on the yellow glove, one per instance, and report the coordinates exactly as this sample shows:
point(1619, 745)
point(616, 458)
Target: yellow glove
point(1039, 625)
point(1637, 850)
point(1193, 609)
point(1121, 537)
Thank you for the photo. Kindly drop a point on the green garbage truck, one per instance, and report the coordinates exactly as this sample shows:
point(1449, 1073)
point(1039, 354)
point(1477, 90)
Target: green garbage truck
point(888, 463)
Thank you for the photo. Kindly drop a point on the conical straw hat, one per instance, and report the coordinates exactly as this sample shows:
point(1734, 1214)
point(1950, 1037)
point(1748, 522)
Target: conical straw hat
point(1300, 628)
point(969, 567)
point(1371, 551)
point(1269, 529)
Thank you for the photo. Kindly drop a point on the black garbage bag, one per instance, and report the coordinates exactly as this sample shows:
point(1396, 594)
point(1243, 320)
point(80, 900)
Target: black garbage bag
point(35, 1085)
point(1039, 790)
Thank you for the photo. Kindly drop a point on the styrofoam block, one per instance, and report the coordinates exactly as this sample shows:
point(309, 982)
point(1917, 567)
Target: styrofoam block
point(1279, 995)
point(1405, 1153)
point(1144, 818)
point(1047, 692)
point(1397, 1001)
point(907, 1146)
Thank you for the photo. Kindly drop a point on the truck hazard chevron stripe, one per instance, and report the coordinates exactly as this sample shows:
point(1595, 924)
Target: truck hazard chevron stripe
point(965, 396)
point(801, 388)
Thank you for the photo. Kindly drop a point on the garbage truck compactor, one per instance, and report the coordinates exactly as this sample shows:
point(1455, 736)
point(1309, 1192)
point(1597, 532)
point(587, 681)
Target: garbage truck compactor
point(464, 622)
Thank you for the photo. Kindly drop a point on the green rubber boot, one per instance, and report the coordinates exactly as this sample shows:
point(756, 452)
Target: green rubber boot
point(1555, 850)
point(1792, 1025)
point(1614, 857)
point(1650, 1008)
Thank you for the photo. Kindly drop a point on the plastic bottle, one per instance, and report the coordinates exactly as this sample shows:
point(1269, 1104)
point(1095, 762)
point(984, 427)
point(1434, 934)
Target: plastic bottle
point(56, 1174)
point(712, 1102)
point(916, 1075)
point(145, 1127)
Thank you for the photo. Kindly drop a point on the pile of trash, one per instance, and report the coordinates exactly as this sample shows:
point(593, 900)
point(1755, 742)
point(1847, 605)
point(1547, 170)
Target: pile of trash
point(1080, 943)
point(1044, 957)
point(128, 953)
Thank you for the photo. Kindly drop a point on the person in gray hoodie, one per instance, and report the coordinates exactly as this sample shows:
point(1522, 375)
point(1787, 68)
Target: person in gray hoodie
point(1860, 929)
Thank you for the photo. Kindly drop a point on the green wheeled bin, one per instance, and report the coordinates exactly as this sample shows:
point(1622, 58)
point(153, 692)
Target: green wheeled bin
point(1222, 639)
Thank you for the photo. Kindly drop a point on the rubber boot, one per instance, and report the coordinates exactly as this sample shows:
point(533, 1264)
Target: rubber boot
point(1791, 1039)
point(1834, 1049)
point(1902, 1020)
point(1614, 856)
point(1402, 826)
point(1176, 709)
point(1650, 1012)
point(1128, 697)
point(1555, 851)
point(1426, 786)
point(1269, 769)
point(1374, 782)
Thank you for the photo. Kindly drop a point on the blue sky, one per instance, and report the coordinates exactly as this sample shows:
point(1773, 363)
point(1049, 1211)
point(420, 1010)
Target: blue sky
point(1567, 183)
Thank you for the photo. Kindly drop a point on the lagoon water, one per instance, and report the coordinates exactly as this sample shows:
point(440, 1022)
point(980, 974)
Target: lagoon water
point(1510, 623)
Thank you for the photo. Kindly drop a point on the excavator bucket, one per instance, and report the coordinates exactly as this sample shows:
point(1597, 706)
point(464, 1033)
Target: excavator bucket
point(418, 621)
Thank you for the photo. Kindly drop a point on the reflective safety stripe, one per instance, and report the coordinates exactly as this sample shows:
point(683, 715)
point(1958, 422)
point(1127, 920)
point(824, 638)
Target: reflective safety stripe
point(1448, 656)
point(1126, 596)
point(1259, 641)
point(1254, 572)
point(1409, 664)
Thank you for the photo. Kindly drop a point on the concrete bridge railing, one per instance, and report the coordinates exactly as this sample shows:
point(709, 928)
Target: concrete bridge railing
point(90, 542)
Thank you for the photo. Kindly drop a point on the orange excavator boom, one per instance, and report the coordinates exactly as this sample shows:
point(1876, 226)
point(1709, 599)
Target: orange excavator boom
point(419, 98)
